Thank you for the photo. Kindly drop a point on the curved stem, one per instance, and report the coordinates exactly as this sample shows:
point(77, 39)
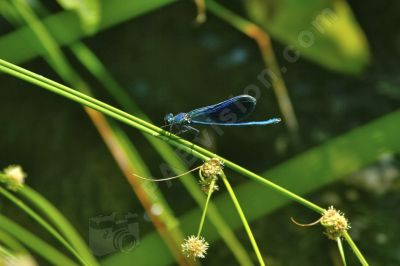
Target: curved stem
point(304, 225)
point(51, 254)
point(59, 222)
point(167, 178)
point(11, 243)
point(42, 222)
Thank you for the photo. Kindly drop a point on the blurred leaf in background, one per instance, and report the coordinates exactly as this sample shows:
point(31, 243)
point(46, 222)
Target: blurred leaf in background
point(89, 12)
point(324, 31)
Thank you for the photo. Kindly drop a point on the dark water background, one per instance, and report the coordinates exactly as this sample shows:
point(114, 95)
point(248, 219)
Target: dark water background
point(168, 65)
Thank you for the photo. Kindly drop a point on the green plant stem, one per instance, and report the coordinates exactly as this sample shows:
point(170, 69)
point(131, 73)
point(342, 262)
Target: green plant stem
point(355, 249)
point(201, 11)
point(341, 251)
point(243, 219)
point(54, 57)
point(42, 222)
point(203, 216)
point(33, 242)
point(5, 255)
point(60, 222)
point(12, 243)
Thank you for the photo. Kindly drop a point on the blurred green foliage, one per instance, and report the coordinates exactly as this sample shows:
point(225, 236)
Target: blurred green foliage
point(89, 12)
point(322, 30)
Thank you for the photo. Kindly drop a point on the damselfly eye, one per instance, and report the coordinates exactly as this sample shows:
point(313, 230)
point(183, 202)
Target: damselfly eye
point(168, 117)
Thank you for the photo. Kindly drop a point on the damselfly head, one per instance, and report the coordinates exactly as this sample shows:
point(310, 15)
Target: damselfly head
point(168, 118)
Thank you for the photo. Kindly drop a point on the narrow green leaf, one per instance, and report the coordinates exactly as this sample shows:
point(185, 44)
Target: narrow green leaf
point(11, 243)
point(41, 221)
point(59, 221)
point(33, 242)
point(8, 12)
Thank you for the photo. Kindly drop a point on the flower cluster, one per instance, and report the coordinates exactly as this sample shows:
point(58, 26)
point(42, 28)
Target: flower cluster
point(335, 223)
point(209, 173)
point(13, 177)
point(208, 186)
point(212, 168)
point(194, 247)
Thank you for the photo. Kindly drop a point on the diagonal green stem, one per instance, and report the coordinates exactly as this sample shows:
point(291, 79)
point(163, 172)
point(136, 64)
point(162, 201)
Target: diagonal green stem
point(59, 221)
point(42, 222)
point(243, 219)
point(203, 216)
point(341, 251)
point(355, 249)
point(54, 56)
point(33, 242)
point(6, 257)
point(11, 243)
